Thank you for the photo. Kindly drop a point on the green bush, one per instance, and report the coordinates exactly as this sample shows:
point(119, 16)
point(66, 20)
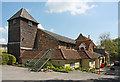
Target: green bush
point(87, 70)
point(68, 68)
point(5, 59)
point(83, 69)
point(77, 68)
point(5, 51)
point(11, 60)
point(8, 59)
point(55, 68)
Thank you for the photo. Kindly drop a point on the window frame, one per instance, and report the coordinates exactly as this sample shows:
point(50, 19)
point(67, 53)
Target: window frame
point(30, 23)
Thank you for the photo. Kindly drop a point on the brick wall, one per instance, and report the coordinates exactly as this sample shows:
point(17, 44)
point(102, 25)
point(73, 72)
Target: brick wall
point(66, 45)
point(46, 41)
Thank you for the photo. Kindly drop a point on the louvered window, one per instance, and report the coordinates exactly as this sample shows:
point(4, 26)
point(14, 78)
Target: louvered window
point(30, 23)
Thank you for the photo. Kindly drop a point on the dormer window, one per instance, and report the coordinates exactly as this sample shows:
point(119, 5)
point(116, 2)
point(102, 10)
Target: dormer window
point(30, 23)
point(14, 21)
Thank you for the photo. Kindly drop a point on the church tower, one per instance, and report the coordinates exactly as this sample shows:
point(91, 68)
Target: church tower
point(22, 32)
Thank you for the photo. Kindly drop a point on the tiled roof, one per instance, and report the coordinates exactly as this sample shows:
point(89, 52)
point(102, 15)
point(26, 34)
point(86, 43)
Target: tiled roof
point(60, 54)
point(59, 37)
point(81, 37)
point(98, 54)
point(83, 55)
point(85, 42)
point(23, 14)
point(70, 54)
point(56, 54)
point(91, 55)
point(32, 53)
point(101, 51)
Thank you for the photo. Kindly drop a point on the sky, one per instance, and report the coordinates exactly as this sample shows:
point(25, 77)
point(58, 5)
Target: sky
point(68, 19)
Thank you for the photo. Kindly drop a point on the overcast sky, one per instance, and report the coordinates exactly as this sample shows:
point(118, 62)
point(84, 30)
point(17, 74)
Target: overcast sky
point(67, 18)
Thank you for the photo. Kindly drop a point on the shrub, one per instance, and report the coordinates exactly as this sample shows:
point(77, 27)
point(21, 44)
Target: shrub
point(77, 68)
point(68, 68)
point(11, 60)
point(87, 70)
point(21, 65)
point(83, 69)
point(5, 59)
point(62, 68)
point(8, 59)
point(5, 51)
point(52, 67)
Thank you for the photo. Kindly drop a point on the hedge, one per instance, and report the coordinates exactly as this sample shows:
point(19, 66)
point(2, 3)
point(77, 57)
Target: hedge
point(7, 59)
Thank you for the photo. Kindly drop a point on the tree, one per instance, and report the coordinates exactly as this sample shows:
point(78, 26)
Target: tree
point(110, 45)
point(117, 41)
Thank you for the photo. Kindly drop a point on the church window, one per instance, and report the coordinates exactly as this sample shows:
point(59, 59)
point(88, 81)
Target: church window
point(30, 23)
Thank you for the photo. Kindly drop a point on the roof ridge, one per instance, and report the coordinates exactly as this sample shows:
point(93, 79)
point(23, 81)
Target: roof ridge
point(59, 37)
point(21, 12)
point(69, 49)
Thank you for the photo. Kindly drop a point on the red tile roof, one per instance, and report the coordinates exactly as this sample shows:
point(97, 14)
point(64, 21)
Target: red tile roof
point(83, 55)
point(91, 55)
point(70, 54)
point(85, 42)
point(56, 54)
point(60, 54)
point(32, 53)
point(81, 37)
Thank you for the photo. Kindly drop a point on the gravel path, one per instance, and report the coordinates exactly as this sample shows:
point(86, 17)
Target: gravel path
point(19, 73)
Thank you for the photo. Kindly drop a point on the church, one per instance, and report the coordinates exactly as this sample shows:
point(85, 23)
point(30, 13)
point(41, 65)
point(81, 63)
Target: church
point(26, 42)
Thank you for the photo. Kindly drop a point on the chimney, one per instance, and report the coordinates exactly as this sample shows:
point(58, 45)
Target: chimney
point(89, 36)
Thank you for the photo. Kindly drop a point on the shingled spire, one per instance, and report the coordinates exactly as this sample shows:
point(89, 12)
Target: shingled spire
point(23, 14)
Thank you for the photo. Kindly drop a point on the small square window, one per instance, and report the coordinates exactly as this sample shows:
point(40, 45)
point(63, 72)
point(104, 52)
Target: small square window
point(14, 21)
point(30, 23)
